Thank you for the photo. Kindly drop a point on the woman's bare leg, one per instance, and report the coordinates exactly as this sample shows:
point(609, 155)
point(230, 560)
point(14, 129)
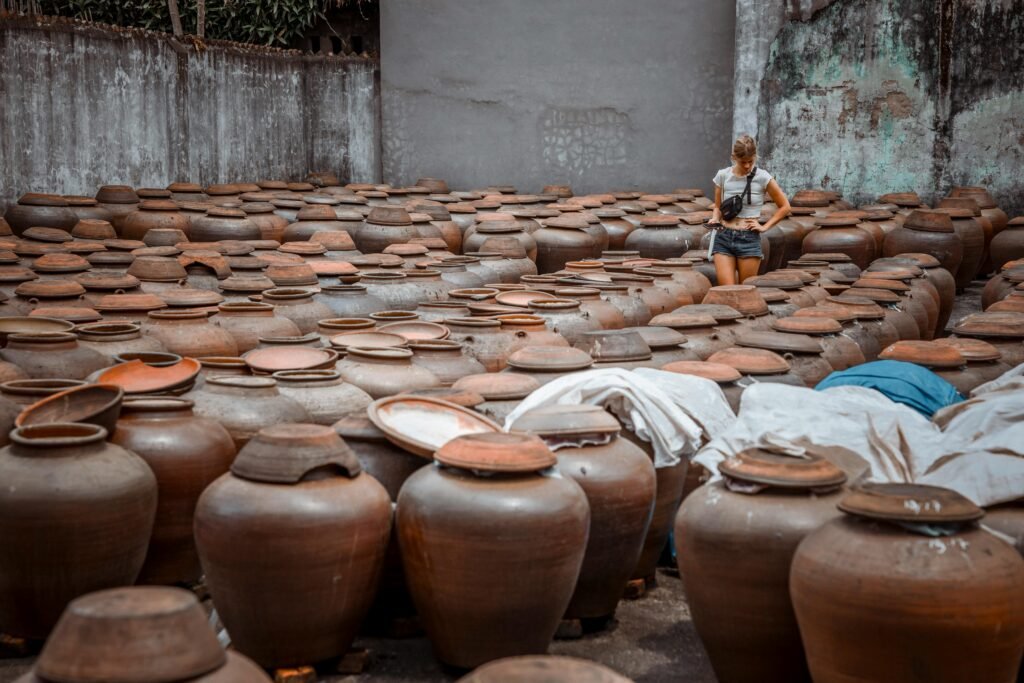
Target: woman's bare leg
point(748, 267)
point(725, 269)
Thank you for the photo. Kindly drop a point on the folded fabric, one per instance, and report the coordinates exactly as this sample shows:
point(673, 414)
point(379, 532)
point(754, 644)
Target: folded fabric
point(906, 383)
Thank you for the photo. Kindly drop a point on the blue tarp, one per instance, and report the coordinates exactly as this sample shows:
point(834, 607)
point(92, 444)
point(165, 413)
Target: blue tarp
point(906, 383)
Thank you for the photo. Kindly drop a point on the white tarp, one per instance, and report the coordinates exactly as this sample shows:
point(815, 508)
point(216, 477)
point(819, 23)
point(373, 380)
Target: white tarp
point(676, 413)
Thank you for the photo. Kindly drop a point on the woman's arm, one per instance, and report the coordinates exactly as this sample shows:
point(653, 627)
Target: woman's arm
point(716, 210)
point(781, 201)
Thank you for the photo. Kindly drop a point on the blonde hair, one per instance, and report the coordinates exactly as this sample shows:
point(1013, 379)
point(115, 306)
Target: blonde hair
point(744, 147)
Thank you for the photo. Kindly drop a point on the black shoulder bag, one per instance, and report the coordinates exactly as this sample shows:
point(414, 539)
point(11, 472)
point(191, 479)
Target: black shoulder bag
point(732, 206)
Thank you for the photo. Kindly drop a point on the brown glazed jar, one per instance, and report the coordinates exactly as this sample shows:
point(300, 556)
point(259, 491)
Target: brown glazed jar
point(384, 372)
point(221, 223)
point(286, 597)
point(190, 333)
point(972, 237)
point(153, 214)
point(841, 235)
point(244, 404)
point(619, 481)
point(246, 322)
point(50, 551)
point(889, 629)
point(186, 453)
point(326, 397)
point(749, 525)
point(928, 232)
point(446, 516)
point(52, 355)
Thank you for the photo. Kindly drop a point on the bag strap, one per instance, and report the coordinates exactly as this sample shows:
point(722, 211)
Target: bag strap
point(746, 190)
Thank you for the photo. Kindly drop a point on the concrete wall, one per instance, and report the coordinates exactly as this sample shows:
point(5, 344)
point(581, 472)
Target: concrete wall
point(599, 94)
point(84, 106)
point(874, 96)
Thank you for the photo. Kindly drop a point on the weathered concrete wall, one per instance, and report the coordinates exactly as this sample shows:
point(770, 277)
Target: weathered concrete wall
point(84, 106)
point(874, 96)
point(602, 94)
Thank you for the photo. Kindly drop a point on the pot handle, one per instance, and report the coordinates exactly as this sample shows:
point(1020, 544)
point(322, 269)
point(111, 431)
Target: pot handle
point(789, 355)
point(521, 334)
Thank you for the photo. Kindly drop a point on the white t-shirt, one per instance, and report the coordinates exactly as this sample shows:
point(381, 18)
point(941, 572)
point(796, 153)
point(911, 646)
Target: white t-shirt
point(733, 185)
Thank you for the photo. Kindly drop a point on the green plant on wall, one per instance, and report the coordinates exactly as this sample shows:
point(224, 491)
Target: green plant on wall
point(262, 22)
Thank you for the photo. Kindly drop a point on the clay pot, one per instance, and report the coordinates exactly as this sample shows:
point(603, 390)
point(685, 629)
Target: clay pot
point(660, 236)
point(286, 597)
point(566, 318)
point(1008, 245)
point(928, 232)
point(145, 633)
point(529, 330)
point(311, 220)
point(841, 234)
point(50, 552)
point(972, 237)
point(190, 333)
point(247, 322)
point(750, 525)
point(186, 453)
point(758, 365)
point(350, 301)
point(25, 392)
point(52, 355)
point(694, 282)
point(619, 481)
point(298, 306)
point(243, 404)
point(804, 353)
point(446, 358)
point(326, 397)
point(398, 292)
point(40, 210)
point(562, 239)
point(485, 340)
point(839, 351)
point(871, 317)
point(383, 372)
point(542, 668)
point(982, 360)
point(445, 518)
point(888, 629)
point(153, 214)
point(1003, 330)
point(384, 226)
point(223, 224)
point(724, 375)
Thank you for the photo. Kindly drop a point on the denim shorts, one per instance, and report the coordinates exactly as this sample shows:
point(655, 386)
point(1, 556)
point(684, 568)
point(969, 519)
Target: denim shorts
point(738, 243)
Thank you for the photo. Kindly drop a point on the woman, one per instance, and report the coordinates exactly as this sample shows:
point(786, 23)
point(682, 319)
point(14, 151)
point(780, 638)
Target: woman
point(737, 243)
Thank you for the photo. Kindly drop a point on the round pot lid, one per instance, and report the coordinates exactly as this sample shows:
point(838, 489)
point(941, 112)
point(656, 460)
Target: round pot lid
point(658, 337)
point(288, 453)
point(102, 280)
point(836, 312)
point(751, 361)
point(522, 298)
point(972, 349)
point(567, 420)
point(46, 289)
point(879, 296)
point(460, 397)
point(550, 359)
point(187, 298)
point(136, 377)
point(368, 340)
point(499, 386)
point(415, 330)
point(809, 325)
point(716, 372)
point(130, 302)
point(782, 471)
point(744, 298)
point(273, 359)
point(40, 234)
point(991, 324)
point(422, 425)
point(60, 263)
point(924, 220)
point(683, 321)
point(137, 633)
point(98, 404)
point(861, 307)
point(720, 312)
point(910, 503)
point(926, 353)
point(332, 268)
point(497, 452)
point(779, 341)
point(616, 345)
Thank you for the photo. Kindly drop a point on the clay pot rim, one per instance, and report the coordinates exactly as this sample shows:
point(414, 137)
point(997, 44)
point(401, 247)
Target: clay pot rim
point(42, 337)
point(299, 449)
point(243, 381)
point(58, 435)
point(544, 421)
point(155, 404)
point(381, 352)
point(900, 502)
point(490, 452)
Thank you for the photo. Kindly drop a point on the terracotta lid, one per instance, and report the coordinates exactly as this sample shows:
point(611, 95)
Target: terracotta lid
point(834, 221)
point(926, 353)
point(74, 314)
point(276, 358)
point(499, 386)
point(49, 289)
point(616, 345)
point(779, 341)
point(107, 279)
point(389, 215)
point(804, 276)
point(522, 298)
point(422, 425)
point(716, 372)
point(130, 302)
point(294, 275)
point(928, 221)
point(808, 325)
point(660, 220)
point(154, 359)
point(138, 633)
point(98, 404)
point(910, 503)
point(572, 220)
point(16, 274)
point(222, 190)
point(497, 452)
point(743, 298)
point(291, 453)
point(890, 285)
point(751, 361)
point(861, 307)
point(771, 295)
point(905, 199)
point(136, 377)
point(117, 194)
point(304, 248)
point(972, 349)
point(810, 198)
point(60, 263)
point(720, 312)
point(784, 281)
point(683, 321)
point(961, 203)
point(879, 296)
point(550, 359)
point(658, 337)
point(368, 340)
point(987, 324)
point(835, 311)
point(415, 330)
point(782, 471)
point(888, 271)
point(979, 194)
point(459, 397)
point(566, 420)
point(185, 187)
point(55, 235)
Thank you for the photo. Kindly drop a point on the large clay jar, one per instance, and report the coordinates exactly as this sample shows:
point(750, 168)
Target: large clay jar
point(841, 235)
point(221, 223)
point(447, 516)
point(138, 633)
point(299, 306)
point(619, 481)
point(895, 313)
point(804, 353)
point(190, 333)
point(119, 201)
point(326, 397)
point(153, 214)
point(385, 226)
point(446, 358)
point(485, 340)
point(871, 317)
point(972, 237)
point(52, 355)
point(989, 211)
point(562, 239)
point(683, 272)
point(311, 220)
point(186, 453)
point(660, 236)
point(244, 404)
point(1003, 330)
point(262, 215)
point(565, 317)
point(76, 515)
point(1008, 245)
point(928, 232)
point(285, 595)
point(40, 210)
point(246, 322)
point(626, 299)
point(616, 225)
point(735, 541)
point(839, 351)
point(983, 360)
point(909, 549)
point(350, 301)
point(383, 372)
